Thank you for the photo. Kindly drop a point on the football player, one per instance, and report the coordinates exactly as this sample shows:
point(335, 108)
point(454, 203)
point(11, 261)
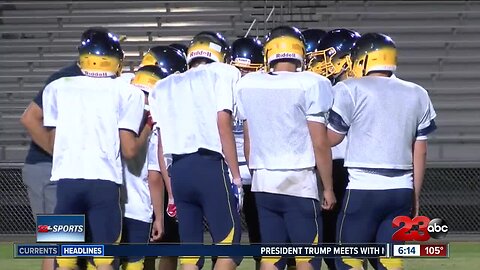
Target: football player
point(285, 133)
point(170, 61)
point(143, 180)
point(37, 169)
point(247, 56)
point(384, 174)
point(93, 119)
point(195, 111)
point(331, 59)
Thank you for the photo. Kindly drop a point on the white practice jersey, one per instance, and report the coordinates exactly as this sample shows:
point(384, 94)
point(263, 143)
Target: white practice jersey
point(185, 106)
point(139, 204)
point(277, 107)
point(87, 114)
point(127, 77)
point(383, 117)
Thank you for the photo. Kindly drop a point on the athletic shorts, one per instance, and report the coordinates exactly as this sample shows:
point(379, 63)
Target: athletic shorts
point(202, 188)
point(285, 219)
point(366, 217)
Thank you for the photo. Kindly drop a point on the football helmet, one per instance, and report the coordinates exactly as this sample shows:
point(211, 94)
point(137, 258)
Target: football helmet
point(147, 76)
point(210, 46)
point(100, 53)
point(247, 54)
point(180, 47)
point(332, 55)
point(374, 52)
point(169, 59)
point(312, 38)
point(284, 43)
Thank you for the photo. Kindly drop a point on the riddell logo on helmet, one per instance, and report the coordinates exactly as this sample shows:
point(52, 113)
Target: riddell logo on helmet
point(200, 53)
point(285, 55)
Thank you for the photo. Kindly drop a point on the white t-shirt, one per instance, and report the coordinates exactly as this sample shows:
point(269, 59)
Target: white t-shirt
point(277, 107)
point(87, 114)
point(139, 202)
point(383, 116)
point(185, 106)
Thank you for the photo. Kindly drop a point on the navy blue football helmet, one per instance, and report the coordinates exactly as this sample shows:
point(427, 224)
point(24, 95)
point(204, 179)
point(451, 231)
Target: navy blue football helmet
point(181, 47)
point(169, 59)
point(332, 56)
point(247, 54)
point(312, 38)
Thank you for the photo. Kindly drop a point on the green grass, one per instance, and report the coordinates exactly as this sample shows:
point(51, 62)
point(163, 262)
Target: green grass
point(463, 256)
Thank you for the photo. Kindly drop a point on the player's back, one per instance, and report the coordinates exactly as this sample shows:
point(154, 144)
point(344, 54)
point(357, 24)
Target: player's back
point(386, 114)
point(276, 106)
point(186, 105)
point(88, 113)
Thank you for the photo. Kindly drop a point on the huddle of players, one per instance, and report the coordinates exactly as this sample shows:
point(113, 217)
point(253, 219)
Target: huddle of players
point(280, 134)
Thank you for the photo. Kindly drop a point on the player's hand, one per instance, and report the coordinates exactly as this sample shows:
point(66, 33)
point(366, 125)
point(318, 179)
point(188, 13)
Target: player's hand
point(171, 210)
point(329, 200)
point(238, 192)
point(157, 229)
point(150, 123)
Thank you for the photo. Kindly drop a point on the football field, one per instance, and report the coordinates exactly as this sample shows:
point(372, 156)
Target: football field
point(463, 256)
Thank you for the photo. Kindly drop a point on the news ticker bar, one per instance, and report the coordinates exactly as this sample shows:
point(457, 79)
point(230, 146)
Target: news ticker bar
point(322, 250)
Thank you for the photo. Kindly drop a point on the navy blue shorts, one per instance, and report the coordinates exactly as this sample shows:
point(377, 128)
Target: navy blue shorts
point(366, 217)
point(285, 219)
point(202, 188)
point(137, 232)
point(99, 201)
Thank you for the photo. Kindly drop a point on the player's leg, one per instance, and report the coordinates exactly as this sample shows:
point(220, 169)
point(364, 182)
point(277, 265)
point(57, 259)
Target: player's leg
point(71, 195)
point(357, 223)
point(170, 235)
point(251, 218)
point(399, 204)
point(303, 221)
point(104, 216)
point(137, 232)
point(218, 204)
point(41, 194)
point(185, 189)
point(272, 227)
point(340, 181)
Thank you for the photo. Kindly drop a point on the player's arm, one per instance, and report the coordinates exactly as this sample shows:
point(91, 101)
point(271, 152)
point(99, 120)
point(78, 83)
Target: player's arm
point(337, 129)
point(32, 120)
point(340, 115)
point(419, 165)
point(323, 160)
point(131, 143)
point(426, 127)
point(132, 114)
point(246, 143)
point(156, 187)
point(224, 123)
point(319, 100)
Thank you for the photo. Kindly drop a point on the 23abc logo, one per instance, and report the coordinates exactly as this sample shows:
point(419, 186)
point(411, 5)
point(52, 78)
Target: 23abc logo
point(420, 228)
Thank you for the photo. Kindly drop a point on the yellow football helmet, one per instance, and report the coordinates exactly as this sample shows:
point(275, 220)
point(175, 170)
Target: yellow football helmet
point(373, 52)
point(210, 46)
point(332, 55)
point(147, 76)
point(284, 43)
point(100, 54)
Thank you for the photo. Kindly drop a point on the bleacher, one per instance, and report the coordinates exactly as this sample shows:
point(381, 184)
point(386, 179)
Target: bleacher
point(437, 42)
